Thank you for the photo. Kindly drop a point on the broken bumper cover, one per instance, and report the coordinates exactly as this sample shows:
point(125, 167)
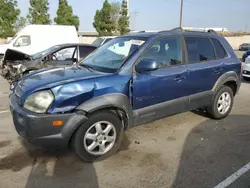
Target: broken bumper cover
point(39, 129)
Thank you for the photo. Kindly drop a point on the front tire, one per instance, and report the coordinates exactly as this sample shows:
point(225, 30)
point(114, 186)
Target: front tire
point(99, 137)
point(222, 103)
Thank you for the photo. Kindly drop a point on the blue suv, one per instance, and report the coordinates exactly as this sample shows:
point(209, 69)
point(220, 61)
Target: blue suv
point(128, 81)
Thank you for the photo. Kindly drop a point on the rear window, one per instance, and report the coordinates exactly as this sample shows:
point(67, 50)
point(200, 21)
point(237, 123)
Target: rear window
point(85, 51)
point(108, 39)
point(98, 42)
point(199, 49)
point(220, 51)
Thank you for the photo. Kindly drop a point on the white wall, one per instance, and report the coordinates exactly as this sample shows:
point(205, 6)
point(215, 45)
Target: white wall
point(236, 41)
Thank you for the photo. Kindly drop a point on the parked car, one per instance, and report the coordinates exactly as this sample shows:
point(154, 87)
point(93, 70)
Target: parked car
point(246, 69)
point(244, 46)
point(17, 64)
point(128, 81)
point(35, 38)
point(102, 40)
point(245, 55)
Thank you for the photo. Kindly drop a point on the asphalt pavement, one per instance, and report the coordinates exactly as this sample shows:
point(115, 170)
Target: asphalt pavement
point(187, 150)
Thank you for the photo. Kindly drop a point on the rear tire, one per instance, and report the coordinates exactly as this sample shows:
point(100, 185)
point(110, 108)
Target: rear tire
point(92, 134)
point(222, 103)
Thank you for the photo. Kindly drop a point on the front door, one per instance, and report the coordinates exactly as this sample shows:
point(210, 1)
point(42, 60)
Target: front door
point(164, 91)
point(63, 57)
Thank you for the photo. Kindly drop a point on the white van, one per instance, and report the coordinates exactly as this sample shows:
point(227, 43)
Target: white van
point(35, 38)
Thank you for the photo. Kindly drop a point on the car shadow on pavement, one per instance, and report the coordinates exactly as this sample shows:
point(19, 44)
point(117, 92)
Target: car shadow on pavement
point(213, 151)
point(51, 168)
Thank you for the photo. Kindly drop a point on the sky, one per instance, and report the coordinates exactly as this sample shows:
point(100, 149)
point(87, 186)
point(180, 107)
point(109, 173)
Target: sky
point(164, 14)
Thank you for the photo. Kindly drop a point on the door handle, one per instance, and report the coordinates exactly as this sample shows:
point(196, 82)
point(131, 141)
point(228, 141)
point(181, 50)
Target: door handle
point(179, 78)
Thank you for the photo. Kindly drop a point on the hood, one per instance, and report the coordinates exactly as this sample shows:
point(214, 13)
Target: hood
point(3, 48)
point(49, 78)
point(14, 55)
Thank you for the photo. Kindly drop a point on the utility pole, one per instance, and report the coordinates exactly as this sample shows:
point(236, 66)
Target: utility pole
point(128, 3)
point(181, 13)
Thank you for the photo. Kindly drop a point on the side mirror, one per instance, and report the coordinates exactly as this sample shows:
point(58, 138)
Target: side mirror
point(45, 58)
point(17, 44)
point(146, 65)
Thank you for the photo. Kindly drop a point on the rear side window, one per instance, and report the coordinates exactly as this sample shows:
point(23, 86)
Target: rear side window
point(85, 51)
point(199, 49)
point(220, 51)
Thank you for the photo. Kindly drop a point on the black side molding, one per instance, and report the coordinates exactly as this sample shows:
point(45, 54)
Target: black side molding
point(115, 100)
point(227, 77)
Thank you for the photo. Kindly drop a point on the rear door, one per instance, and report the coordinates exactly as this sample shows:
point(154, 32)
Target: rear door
point(164, 91)
point(204, 68)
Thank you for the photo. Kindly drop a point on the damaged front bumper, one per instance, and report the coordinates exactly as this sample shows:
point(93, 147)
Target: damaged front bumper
point(11, 72)
point(11, 66)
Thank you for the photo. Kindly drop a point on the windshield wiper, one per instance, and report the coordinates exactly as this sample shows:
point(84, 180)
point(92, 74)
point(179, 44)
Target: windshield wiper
point(87, 67)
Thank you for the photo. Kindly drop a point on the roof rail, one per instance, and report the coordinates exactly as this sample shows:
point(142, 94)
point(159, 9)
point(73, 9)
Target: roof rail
point(175, 29)
point(212, 31)
point(141, 31)
point(180, 29)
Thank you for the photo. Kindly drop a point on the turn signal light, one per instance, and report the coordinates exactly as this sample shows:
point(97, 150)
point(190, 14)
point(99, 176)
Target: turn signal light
point(57, 123)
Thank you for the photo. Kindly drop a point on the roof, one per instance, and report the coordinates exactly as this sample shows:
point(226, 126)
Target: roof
point(107, 37)
point(75, 44)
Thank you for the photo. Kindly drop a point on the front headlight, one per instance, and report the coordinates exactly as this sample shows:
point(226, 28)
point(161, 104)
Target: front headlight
point(39, 102)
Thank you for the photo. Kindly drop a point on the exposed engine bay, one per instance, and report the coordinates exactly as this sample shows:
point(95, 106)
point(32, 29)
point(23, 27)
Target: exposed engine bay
point(12, 64)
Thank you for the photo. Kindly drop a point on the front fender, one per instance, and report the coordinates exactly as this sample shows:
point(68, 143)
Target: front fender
point(115, 100)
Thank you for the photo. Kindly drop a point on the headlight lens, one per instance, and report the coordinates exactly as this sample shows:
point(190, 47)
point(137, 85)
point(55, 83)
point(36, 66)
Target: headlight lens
point(39, 102)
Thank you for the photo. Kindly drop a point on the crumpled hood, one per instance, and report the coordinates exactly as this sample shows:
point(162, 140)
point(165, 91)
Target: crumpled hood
point(14, 55)
point(52, 77)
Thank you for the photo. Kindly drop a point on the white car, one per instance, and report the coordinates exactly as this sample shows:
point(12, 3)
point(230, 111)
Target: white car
point(246, 69)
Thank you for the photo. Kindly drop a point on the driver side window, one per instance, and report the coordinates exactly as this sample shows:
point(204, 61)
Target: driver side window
point(166, 52)
point(65, 54)
point(22, 41)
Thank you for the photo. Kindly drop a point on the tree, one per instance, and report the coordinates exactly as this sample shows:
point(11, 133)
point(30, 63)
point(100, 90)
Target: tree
point(38, 12)
point(20, 23)
point(103, 22)
point(65, 15)
point(123, 23)
point(115, 13)
point(8, 16)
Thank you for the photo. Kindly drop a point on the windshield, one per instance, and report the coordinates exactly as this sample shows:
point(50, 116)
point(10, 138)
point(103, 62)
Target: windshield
point(98, 42)
point(13, 38)
point(110, 57)
point(42, 53)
